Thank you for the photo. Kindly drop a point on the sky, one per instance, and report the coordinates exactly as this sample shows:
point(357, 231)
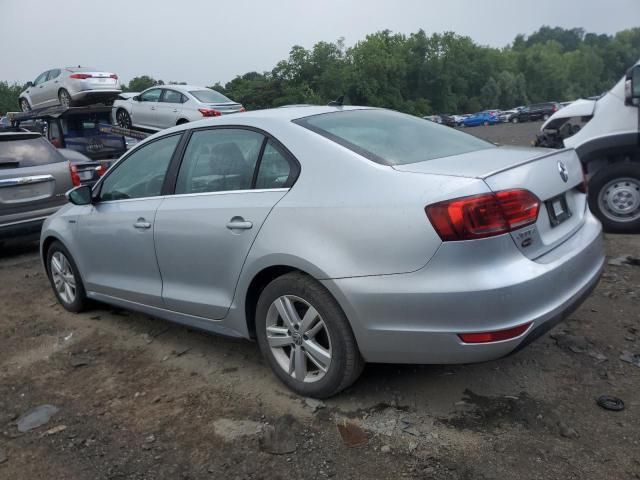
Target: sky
point(205, 41)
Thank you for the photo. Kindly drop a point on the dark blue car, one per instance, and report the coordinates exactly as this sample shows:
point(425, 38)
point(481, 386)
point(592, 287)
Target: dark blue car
point(480, 118)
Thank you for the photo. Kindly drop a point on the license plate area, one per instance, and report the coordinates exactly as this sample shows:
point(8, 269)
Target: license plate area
point(558, 210)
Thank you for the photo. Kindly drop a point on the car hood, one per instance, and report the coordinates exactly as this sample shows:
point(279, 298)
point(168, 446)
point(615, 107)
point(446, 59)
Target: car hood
point(478, 164)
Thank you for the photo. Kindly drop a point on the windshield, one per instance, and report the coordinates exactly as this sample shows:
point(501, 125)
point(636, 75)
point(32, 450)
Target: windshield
point(392, 138)
point(209, 96)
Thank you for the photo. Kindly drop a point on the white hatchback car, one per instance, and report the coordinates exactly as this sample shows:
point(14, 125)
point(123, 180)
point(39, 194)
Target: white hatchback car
point(165, 106)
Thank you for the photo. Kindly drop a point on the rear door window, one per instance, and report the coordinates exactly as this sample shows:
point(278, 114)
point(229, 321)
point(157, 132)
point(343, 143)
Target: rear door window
point(53, 74)
point(219, 160)
point(275, 170)
point(171, 96)
point(24, 150)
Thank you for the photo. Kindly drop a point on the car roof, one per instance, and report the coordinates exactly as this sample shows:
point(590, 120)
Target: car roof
point(259, 118)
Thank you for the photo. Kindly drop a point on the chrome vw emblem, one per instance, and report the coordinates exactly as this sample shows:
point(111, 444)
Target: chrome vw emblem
point(564, 172)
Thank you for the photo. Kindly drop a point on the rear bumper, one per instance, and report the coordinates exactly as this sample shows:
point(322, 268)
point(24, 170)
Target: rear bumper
point(416, 317)
point(95, 94)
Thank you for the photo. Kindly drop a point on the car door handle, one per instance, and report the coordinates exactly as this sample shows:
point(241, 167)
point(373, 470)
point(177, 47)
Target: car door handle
point(142, 224)
point(239, 223)
point(175, 110)
point(153, 108)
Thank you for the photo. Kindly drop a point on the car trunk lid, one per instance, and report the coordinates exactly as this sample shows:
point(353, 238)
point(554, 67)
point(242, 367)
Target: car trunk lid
point(541, 171)
point(225, 108)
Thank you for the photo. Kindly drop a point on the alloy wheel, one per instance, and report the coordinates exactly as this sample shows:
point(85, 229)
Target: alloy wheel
point(123, 119)
point(64, 280)
point(24, 105)
point(298, 338)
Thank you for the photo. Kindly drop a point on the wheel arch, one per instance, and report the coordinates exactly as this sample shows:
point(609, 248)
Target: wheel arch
point(45, 244)
point(182, 121)
point(601, 151)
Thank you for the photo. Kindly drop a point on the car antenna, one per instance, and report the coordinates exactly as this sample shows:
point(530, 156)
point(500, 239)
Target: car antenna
point(338, 102)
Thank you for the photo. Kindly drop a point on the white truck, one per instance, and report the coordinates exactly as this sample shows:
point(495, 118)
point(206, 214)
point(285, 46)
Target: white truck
point(606, 136)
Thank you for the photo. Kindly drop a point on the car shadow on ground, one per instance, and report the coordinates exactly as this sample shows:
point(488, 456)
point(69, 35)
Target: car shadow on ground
point(15, 249)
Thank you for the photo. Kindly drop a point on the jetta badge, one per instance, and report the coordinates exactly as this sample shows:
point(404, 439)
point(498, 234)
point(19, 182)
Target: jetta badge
point(564, 173)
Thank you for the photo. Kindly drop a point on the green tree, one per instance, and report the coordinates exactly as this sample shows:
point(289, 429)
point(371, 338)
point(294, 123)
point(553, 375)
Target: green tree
point(9, 97)
point(138, 84)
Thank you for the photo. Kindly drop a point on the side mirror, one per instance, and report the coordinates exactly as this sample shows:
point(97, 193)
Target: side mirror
point(632, 86)
point(28, 85)
point(136, 98)
point(80, 195)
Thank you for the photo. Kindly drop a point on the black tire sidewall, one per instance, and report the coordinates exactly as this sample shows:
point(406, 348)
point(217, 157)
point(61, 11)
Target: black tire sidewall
point(599, 180)
point(118, 113)
point(64, 92)
point(335, 320)
point(79, 302)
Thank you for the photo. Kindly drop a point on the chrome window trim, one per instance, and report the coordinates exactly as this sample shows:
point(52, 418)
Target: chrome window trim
point(199, 194)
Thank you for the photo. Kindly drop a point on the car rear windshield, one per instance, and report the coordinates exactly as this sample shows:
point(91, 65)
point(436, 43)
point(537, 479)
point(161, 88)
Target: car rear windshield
point(209, 96)
point(392, 138)
point(28, 151)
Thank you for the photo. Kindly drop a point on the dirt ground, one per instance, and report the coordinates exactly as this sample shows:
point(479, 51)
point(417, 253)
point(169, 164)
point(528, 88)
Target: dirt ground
point(139, 398)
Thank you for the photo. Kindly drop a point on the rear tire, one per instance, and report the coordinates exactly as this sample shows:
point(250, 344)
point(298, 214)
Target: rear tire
point(24, 105)
point(65, 278)
point(64, 98)
point(614, 197)
point(314, 319)
point(514, 120)
point(123, 119)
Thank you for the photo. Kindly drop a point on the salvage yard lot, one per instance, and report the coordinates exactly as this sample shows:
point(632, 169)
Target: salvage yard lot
point(141, 398)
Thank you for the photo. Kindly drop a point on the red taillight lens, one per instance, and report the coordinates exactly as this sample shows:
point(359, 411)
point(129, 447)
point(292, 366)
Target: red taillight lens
point(75, 178)
point(101, 170)
point(243, 109)
point(114, 76)
point(209, 112)
point(497, 336)
point(80, 76)
point(486, 215)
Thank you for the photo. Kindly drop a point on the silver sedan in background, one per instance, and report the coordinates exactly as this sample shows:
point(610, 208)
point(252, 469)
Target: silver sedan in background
point(334, 236)
point(68, 87)
point(165, 106)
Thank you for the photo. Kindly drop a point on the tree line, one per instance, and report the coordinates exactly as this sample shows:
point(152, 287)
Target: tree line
point(423, 74)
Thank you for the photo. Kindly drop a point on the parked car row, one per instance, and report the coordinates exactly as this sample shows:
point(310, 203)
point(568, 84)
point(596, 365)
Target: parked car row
point(538, 111)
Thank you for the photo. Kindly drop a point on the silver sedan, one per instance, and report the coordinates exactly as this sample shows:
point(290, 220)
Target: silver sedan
point(334, 236)
point(69, 86)
point(165, 106)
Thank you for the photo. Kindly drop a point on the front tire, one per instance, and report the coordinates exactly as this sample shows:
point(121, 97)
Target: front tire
point(514, 120)
point(65, 278)
point(24, 105)
point(64, 98)
point(306, 337)
point(614, 197)
point(123, 119)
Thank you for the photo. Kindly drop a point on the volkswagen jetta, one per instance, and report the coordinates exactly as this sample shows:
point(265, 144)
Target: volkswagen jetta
point(334, 236)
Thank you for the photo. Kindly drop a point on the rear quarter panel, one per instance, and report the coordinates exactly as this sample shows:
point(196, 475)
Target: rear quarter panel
point(347, 216)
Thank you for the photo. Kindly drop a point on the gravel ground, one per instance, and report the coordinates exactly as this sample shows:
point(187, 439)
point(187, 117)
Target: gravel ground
point(139, 398)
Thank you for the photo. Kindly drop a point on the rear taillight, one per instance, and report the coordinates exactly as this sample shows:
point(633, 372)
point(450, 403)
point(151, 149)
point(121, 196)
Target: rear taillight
point(114, 76)
point(75, 178)
point(485, 215)
point(497, 336)
point(555, 108)
point(101, 170)
point(242, 109)
point(209, 112)
point(80, 76)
